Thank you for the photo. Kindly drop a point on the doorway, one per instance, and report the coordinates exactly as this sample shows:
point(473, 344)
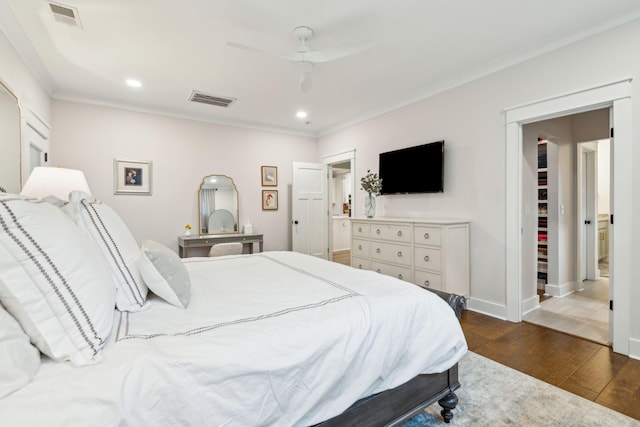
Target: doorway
point(572, 298)
point(341, 204)
point(341, 191)
point(618, 96)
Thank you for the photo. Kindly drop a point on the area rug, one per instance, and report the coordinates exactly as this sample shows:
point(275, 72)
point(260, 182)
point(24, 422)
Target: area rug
point(496, 395)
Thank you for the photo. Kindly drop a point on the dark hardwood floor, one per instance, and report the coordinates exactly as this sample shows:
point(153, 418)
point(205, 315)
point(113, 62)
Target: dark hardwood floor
point(579, 366)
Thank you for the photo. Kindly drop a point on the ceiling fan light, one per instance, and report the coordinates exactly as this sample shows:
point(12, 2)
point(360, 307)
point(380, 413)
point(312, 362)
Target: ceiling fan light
point(305, 82)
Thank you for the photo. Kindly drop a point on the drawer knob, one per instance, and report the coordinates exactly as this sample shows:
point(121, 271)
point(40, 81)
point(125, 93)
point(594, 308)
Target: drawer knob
point(360, 266)
point(359, 229)
point(400, 276)
point(359, 247)
point(377, 231)
point(399, 233)
point(378, 250)
point(426, 258)
point(378, 271)
point(399, 254)
point(426, 283)
point(426, 236)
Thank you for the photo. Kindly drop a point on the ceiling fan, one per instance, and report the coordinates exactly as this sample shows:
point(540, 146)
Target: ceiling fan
point(304, 59)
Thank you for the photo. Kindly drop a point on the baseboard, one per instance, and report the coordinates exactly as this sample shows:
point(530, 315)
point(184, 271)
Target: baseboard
point(485, 307)
point(634, 348)
point(559, 290)
point(530, 304)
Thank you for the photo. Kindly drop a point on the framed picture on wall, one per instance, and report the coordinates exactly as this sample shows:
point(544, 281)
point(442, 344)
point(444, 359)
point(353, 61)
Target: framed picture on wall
point(131, 177)
point(269, 176)
point(269, 200)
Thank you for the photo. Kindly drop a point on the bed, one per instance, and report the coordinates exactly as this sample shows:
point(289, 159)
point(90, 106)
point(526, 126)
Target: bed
point(275, 338)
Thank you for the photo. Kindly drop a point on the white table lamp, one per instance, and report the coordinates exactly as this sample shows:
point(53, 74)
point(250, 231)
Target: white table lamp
point(51, 181)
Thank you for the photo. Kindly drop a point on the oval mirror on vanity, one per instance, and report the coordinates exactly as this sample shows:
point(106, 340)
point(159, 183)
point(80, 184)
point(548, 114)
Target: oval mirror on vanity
point(218, 201)
point(9, 141)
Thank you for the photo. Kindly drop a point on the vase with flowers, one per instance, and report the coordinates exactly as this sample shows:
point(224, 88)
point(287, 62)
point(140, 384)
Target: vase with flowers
point(187, 230)
point(372, 184)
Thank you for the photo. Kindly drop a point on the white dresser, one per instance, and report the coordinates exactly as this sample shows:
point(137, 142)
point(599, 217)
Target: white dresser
point(428, 252)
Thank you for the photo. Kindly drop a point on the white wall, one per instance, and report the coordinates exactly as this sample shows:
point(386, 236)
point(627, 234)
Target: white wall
point(471, 120)
point(16, 75)
point(89, 137)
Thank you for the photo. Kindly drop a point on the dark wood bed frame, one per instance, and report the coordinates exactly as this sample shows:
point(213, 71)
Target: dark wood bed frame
point(395, 406)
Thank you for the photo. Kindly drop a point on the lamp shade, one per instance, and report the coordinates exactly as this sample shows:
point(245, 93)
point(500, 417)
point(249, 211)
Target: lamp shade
point(51, 181)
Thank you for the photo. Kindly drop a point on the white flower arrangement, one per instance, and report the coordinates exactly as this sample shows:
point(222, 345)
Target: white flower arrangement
point(371, 183)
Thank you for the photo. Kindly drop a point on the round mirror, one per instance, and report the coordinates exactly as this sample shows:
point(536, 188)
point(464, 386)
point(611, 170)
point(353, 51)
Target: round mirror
point(218, 200)
point(9, 141)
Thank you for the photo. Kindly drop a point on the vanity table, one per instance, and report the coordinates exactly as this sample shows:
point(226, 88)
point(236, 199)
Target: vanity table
point(217, 219)
point(185, 243)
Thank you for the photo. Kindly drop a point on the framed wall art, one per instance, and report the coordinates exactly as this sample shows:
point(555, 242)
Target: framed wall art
point(132, 177)
point(269, 176)
point(269, 200)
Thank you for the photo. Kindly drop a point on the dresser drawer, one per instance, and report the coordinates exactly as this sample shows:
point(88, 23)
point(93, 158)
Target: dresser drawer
point(360, 248)
point(427, 258)
point(391, 252)
point(360, 229)
point(392, 232)
point(423, 235)
point(361, 263)
point(402, 273)
point(427, 280)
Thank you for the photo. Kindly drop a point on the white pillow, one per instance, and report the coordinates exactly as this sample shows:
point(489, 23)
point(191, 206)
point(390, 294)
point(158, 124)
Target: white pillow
point(19, 360)
point(165, 274)
point(54, 281)
point(105, 227)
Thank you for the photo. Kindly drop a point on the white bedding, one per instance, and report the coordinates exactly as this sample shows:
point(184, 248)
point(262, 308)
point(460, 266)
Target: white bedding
point(276, 338)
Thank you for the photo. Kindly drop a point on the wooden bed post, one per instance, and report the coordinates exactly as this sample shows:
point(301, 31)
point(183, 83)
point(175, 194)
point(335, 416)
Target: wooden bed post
point(448, 403)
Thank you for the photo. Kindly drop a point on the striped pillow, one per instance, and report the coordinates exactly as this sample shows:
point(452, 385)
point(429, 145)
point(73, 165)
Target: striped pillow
point(105, 227)
point(54, 281)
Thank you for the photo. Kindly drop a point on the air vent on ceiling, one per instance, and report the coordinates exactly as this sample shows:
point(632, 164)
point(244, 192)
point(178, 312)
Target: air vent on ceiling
point(218, 101)
point(65, 14)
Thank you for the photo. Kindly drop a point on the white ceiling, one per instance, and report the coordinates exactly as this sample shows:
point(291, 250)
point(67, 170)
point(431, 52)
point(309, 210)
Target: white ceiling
point(174, 47)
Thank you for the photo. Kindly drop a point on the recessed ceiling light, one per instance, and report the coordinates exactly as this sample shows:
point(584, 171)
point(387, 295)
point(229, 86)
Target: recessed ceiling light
point(301, 114)
point(133, 83)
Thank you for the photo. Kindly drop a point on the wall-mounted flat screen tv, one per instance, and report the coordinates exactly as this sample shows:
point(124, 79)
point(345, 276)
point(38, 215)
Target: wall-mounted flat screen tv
point(418, 169)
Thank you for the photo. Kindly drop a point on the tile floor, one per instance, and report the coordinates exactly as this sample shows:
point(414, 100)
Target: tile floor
point(584, 313)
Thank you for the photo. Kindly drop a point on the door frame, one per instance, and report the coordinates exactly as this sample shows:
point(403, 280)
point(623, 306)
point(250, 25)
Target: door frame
point(616, 95)
point(35, 134)
point(330, 160)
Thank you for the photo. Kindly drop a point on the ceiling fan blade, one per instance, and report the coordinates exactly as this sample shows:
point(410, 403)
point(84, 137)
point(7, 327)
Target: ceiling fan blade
point(255, 49)
point(245, 47)
point(333, 53)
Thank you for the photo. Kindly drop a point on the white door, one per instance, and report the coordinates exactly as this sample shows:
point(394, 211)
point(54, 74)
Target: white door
point(587, 214)
point(35, 144)
point(309, 209)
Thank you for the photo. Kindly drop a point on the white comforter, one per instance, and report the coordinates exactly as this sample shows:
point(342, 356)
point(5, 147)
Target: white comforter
point(276, 338)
